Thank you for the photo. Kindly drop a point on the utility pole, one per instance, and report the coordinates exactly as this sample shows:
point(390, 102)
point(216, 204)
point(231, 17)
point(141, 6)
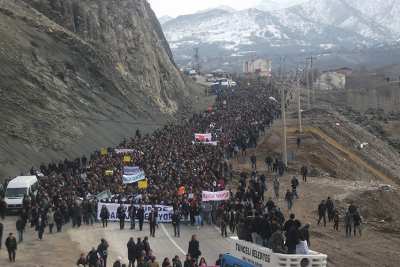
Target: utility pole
point(299, 101)
point(311, 88)
point(283, 111)
point(308, 86)
point(197, 60)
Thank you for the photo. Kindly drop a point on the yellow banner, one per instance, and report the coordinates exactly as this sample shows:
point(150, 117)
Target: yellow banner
point(143, 184)
point(103, 151)
point(109, 172)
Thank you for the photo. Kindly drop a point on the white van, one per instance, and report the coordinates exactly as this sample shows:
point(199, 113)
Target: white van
point(17, 188)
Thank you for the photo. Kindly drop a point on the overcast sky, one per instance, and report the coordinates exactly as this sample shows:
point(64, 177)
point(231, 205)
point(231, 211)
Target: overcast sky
point(175, 8)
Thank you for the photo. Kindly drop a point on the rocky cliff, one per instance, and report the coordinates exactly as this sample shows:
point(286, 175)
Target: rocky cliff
point(79, 74)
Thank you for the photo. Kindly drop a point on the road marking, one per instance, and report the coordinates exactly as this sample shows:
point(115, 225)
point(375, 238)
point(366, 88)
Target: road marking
point(172, 240)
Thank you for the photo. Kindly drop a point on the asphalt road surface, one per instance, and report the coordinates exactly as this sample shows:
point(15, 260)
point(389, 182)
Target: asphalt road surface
point(63, 249)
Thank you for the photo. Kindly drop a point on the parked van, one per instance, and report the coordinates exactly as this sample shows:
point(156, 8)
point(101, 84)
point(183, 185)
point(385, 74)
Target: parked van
point(17, 188)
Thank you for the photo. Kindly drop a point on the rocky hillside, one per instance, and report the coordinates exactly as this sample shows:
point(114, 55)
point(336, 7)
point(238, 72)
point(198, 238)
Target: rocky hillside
point(79, 74)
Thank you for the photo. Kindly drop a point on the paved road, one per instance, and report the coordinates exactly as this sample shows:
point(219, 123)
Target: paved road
point(62, 249)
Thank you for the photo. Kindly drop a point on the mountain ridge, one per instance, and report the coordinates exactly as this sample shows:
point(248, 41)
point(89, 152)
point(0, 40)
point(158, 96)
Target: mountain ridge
point(315, 26)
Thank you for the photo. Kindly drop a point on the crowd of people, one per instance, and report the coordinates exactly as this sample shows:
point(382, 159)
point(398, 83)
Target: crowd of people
point(171, 161)
point(168, 157)
point(140, 254)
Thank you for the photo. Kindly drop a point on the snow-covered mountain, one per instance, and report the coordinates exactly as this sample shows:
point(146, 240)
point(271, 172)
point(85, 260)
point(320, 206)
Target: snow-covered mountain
point(315, 25)
point(269, 5)
point(165, 19)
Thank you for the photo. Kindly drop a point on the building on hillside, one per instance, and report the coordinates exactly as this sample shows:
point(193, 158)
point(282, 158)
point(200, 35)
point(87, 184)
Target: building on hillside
point(331, 80)
point(346, 71)
point(259, 67)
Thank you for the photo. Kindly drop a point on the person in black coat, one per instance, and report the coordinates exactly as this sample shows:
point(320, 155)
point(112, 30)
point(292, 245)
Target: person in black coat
point(194, 249)
point(152, 223)
point(41, 225)
point(121, 216)
point(224, 223)
point(131, 252)
point(11, 245)
point(104, 215)
point(20, 225)
point(3, 208)
point(140, 215)
point(176, 221)
point(102, 250)
point(322, 212)
point(289, 224)
point(58, 219)
point(93, 258)
point(330, 207)
point(139, 249)
point(132, 215)
point(293, 237)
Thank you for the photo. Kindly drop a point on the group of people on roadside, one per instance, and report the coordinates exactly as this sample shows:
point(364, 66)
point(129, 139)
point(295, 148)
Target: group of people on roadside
point(352, 219)
point(140, 254)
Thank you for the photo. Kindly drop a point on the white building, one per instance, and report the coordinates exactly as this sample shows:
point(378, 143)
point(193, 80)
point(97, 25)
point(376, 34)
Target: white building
point(261, 67)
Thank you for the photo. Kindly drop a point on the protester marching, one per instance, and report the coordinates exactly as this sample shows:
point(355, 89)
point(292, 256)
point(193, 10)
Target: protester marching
point(190, 164)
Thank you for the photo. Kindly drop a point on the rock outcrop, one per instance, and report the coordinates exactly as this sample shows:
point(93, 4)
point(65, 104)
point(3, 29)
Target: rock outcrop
point(79, 74)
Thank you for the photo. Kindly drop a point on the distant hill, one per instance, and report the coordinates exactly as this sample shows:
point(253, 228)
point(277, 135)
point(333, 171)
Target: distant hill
point(314, 26)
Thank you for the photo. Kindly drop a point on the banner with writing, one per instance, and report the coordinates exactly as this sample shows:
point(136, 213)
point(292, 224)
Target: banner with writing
point(132, 174)
point(164, 212)
point(124, 150)
point(215, 196)
point(199, 137)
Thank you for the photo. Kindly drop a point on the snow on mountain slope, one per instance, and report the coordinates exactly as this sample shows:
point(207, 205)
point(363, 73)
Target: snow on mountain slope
point(312, 25)
point(270, 5)
point(165, 19)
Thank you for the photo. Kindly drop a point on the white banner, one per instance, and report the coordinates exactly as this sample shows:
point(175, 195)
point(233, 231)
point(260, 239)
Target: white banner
point(124, 150)
point(132, 174)
point(213, 143)
point(215, 196)
point(164, 212)
point(202, 137)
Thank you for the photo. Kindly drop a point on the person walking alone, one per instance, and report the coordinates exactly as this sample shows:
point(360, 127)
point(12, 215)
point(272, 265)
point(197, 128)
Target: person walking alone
point(11, 245)
point(121, 216)
point(132, 215)
point(253, 160)
point(152, 223)
point(140, 215)
point(176, 221)
point(289, 199)
point(20, 225)
point(304, 173)
point(194, 249)
point(104, 216)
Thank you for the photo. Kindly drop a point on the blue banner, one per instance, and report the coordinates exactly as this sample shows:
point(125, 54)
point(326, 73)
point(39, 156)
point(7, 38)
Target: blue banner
point(132, 175)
